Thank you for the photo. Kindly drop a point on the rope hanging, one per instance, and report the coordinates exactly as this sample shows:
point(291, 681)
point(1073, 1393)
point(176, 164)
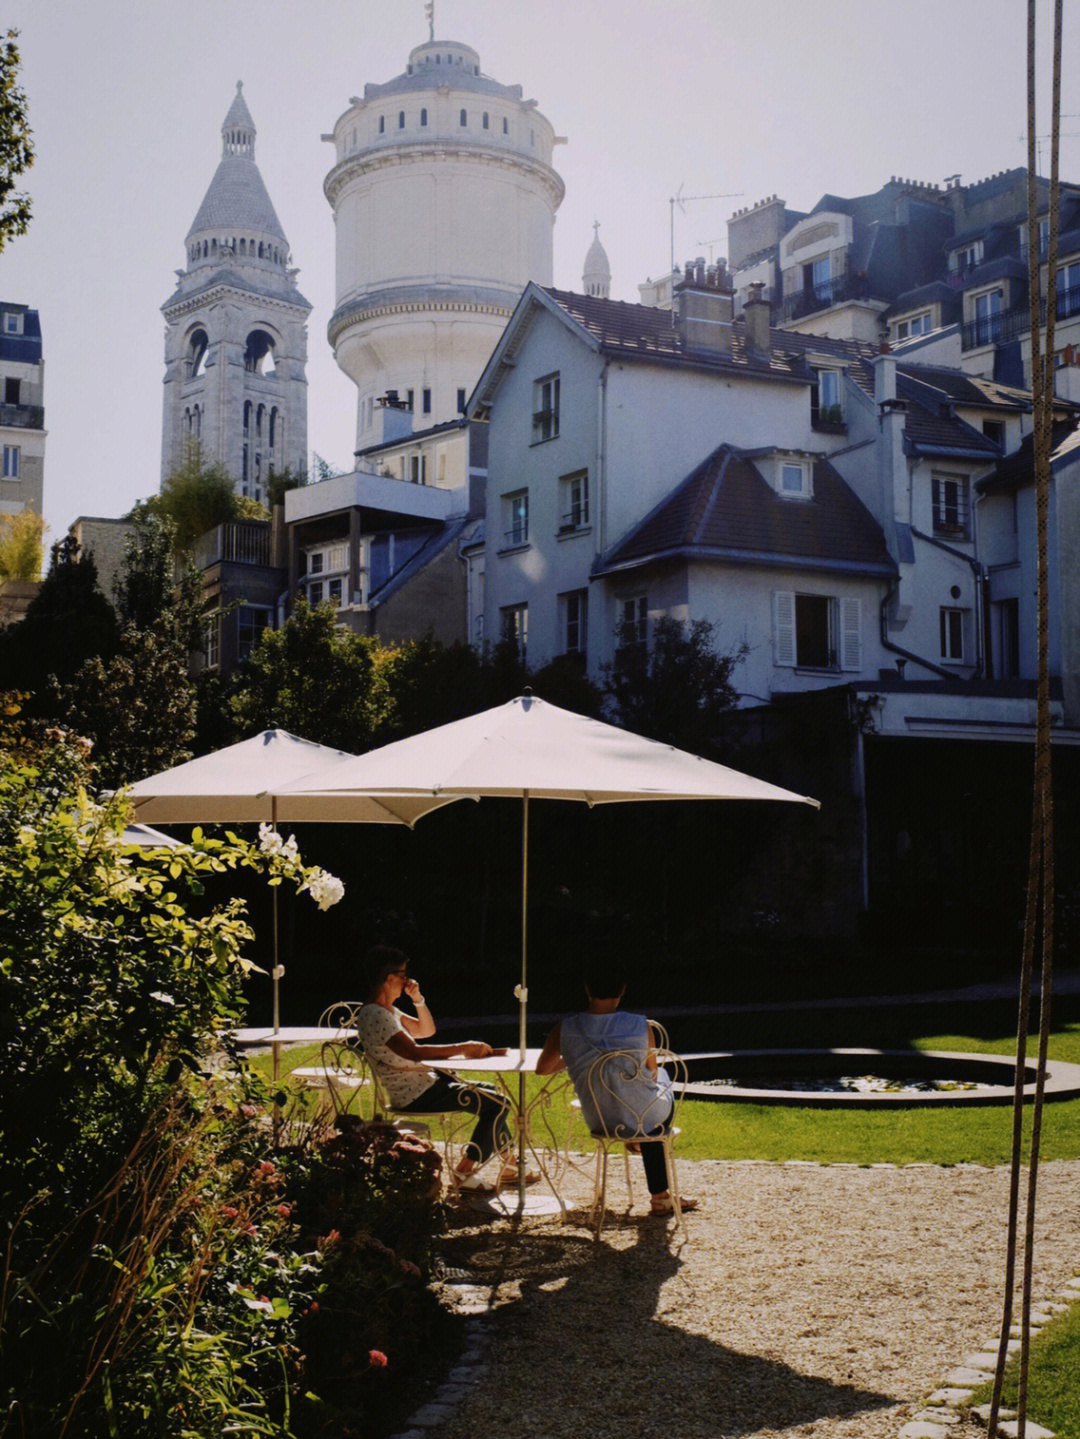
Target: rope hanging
point(1041, 853)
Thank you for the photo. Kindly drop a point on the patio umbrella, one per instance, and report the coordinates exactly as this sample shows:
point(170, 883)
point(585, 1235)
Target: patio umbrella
point(238, 785)
point(147, 838)
point(529, 749)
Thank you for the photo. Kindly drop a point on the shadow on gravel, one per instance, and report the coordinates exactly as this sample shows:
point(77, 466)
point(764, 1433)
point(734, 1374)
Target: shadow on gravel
point(582, 1344)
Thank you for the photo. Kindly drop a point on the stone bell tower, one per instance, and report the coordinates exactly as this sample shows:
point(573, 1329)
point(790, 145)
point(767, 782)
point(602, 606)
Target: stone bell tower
point(236, 336)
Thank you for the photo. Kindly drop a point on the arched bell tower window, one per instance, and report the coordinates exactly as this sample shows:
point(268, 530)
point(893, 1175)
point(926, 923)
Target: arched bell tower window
point(247, 418)
point(273, 430)
point(259, 413)
point(196, 355)
point(259, 353)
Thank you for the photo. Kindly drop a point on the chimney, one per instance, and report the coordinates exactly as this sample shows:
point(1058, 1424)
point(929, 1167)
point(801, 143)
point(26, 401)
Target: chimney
point(393, 419)
point(704, 307)
point(757, 312)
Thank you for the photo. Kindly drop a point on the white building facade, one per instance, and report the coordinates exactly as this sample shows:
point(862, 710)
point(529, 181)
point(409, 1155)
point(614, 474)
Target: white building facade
point(444, 197)
point(22, 410)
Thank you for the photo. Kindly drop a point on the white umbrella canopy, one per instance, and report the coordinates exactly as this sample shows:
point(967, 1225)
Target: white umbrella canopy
point(530, 749)
point(238, 785)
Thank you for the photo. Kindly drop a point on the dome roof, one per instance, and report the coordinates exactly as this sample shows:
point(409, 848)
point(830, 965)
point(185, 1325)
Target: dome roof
point(237, 197)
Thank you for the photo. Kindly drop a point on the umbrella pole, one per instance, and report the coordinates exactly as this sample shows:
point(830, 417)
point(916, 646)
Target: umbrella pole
point(276, 1048)
point(524, 996)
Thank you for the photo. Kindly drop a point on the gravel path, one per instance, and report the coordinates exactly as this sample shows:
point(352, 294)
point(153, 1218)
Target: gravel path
point(826, 1301)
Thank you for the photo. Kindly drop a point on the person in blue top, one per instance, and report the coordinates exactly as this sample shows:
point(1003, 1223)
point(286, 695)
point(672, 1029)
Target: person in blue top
point(635, 1095)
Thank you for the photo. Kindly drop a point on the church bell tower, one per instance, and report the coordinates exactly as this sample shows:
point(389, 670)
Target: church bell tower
point(236, 336)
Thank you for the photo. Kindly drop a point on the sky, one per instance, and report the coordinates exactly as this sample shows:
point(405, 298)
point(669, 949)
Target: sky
point(702, 98)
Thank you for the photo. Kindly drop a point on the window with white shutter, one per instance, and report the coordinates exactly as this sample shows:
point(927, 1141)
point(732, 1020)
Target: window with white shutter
point(784, 627)
point(851, 634)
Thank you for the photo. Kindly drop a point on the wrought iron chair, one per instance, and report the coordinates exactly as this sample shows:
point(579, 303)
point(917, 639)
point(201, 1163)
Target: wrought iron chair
point(658, 1038)
point(610, 1093)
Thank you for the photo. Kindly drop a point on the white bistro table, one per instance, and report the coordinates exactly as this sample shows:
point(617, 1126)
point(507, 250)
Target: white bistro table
point(526, 1115)
point(260, 1037)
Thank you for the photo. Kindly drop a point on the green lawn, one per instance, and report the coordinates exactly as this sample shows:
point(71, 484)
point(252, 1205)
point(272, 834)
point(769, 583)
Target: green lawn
point(1053, 1374)
point(899, 1136)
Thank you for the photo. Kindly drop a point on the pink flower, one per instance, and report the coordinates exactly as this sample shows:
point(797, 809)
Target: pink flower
point(284, 1210)
point(250, 1232)
point(377, 1358)
point(229, 1212)
point(249, 1111)
point(313, 1307)
point(265, 1167)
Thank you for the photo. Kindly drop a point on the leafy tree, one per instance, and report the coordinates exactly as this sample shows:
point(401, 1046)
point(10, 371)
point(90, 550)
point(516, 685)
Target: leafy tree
point(196, 497)
point(430, 684)
point(279, 482)
point(68, 621)
point(564, 681)
point(21, 546)
point(16, 145)
point(679, 689)
point(316, 680)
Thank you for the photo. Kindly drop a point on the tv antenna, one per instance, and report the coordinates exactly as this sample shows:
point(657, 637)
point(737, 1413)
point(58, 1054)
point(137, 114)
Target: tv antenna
point(682, 201)
point(710, 245)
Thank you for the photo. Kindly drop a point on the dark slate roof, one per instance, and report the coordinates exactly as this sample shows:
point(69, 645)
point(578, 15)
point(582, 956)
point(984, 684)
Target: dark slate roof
point(269, 288)
point(443, 428)
point(726, 510)
point(25, 348)
point(1018, 469)
point(239, 116)
point(643, 332)
point(237, 199)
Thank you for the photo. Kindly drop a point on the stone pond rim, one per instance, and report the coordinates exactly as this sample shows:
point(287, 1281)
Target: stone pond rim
point(995, 1071)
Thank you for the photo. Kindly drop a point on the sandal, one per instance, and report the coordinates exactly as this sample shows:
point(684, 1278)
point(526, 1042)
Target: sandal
point(509, 1177)
point(472, 1183)
point(667, 1206)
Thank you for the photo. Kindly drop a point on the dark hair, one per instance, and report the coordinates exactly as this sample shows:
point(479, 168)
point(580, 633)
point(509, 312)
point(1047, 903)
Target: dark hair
point(605, 976)
point(381, 960)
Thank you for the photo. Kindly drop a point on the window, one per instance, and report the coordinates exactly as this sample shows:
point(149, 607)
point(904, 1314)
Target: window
point(826, 412)
point(950, 495)
point(197, 347)
point(461, 402)
point(315, 593)
point(633, 621)
point(515, 627)
point(333, 591)
point(401, 120)
point(13, 323)
point(545, 424)
point(315, 563)
point(423, 117)
point(212, 640)
point(914, 325)
point(1044, 237)
point(426, 401)
point(250, 623)
point(575, 617)
point(794, 478)
point(516, 518)
point(11, 391)
point(953, 625)
point(1008, 665)
point(11, 462)
point(1068, 290)
point(817, 277)
point(817, 632)
point(486, 124)
point(410, 398)
point(506, 126)
point(463, 118)
point(967, 257)
point(994, 430)
point(382, 124)
point(574, 501)
point(418, 469)
point(986, 313)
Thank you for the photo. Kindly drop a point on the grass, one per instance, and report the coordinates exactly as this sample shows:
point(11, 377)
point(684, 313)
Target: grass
point(861, 1136)
point(1053, 1388)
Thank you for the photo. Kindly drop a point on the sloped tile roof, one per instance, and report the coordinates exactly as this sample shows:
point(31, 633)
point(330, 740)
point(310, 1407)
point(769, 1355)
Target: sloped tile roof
point(726, 509)
point(1018, 469)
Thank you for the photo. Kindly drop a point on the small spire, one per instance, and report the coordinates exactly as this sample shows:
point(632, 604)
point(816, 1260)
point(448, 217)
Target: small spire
point(238, 128)
point(429, 9)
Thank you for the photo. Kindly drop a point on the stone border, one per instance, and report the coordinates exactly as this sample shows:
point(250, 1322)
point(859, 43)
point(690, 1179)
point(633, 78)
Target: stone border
point(1062, 1080)
point(948, 1405)
point(463, 1377)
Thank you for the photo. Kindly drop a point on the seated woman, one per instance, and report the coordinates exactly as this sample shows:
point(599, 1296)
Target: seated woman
point(389, 1037)
point(637, 1098)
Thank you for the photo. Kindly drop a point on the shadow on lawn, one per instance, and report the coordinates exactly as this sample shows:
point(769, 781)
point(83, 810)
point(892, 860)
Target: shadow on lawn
point(584, 1347)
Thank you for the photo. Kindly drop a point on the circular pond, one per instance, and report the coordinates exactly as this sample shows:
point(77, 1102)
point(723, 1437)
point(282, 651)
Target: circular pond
point(866, 1078)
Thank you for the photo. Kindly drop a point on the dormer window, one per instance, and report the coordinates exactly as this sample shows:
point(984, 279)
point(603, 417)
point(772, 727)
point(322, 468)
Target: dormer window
point(967, 257)
point(793, 479)
point(13, 323)
point(1044, 237)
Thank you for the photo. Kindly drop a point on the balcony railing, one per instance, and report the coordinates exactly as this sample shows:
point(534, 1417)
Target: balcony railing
point(23, 417)
point(245, 542)
point(820, 297)
point(1012, 324)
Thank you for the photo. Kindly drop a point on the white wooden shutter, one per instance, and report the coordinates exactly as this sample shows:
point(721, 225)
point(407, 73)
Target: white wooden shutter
point(851, 634)
point(784, 627)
